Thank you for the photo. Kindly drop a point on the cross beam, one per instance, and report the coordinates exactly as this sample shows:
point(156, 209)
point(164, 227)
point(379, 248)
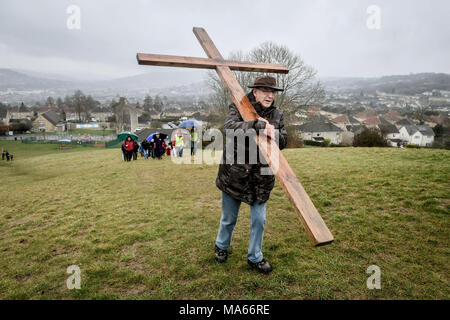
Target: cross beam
point(205, 63)
point(307, 212)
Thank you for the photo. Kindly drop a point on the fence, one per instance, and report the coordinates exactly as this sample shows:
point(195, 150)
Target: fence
point(113, 144)
point(33, 140)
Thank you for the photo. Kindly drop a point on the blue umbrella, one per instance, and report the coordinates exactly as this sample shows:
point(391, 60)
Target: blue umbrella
point(189, 123)
point(162, 136)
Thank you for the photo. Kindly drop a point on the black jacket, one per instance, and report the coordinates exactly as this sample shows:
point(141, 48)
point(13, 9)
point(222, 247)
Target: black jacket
point(245, 182)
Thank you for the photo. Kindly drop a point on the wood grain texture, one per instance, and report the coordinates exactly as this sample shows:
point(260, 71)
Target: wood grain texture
point(205, 63)
point(307, 212)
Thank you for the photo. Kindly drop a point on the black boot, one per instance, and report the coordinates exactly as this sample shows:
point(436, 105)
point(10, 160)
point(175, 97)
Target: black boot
point(263, 266)
point(221, 255)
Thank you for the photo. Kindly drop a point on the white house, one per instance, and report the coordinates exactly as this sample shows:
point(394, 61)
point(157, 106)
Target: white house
point(319, 131)
point(418, 135)
point(391, 133)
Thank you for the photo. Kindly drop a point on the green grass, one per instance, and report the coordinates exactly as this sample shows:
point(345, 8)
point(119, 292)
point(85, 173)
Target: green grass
point(146, 229)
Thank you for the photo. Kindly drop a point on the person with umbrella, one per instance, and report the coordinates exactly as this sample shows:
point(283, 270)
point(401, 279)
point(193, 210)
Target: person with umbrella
point(194, 141)
point(128, 147)
point(158, 146)
point(145, 148)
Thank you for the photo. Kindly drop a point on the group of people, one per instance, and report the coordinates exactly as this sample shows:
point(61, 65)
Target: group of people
point(156, 147)
point(129, 149)
point(7, 155)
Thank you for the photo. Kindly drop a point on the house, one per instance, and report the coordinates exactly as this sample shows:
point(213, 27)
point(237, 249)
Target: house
point(440, 119)
point(154, 115)
point(45, 109)
point(172, 112)
point(319, 131)
point(49, 121)
point(392, 116)
point(21, 112)
point(404, 122)
point(71, 115)
point(101, 114)
point(418, 135)
point(371, 122)
point(369, 113)
point(343, 121)
point(313, 111)
point(391, 133)
point(356, 129)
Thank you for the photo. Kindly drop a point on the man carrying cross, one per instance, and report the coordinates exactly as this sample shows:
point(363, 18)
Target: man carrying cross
point(244, 182)
point(243, 115)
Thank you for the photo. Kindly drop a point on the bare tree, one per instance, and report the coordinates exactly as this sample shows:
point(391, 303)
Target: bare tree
point(120, 113)
point(421, 109)
point(301, 88)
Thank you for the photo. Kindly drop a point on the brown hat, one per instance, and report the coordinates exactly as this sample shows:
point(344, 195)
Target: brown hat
point(267, 82)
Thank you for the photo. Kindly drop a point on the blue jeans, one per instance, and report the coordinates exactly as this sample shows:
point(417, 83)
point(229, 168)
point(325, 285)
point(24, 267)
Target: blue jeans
point(193, 147)
point(230, 210)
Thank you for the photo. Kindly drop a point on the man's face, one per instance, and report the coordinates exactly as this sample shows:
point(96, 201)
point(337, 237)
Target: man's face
point(264, 96)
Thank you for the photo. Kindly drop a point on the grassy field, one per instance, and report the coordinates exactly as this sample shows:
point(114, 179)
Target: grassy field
point(146, 229)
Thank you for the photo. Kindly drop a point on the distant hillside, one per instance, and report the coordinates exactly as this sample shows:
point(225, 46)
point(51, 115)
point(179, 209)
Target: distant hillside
point(14, 80)
point(31, 86)
point(26, 80)
point(398, 84)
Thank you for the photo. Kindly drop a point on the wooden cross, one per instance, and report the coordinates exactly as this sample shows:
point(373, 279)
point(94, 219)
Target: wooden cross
point(307, 212)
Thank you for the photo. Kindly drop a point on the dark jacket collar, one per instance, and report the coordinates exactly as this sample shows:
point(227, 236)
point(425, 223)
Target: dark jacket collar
point(259, 109)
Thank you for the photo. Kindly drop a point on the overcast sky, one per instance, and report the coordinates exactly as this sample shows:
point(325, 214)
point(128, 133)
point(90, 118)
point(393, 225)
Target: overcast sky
point(333, 36)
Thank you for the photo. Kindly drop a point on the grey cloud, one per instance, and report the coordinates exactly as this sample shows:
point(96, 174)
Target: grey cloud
point(330, 35)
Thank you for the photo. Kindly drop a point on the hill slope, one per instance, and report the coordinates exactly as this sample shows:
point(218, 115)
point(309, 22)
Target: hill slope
point(146, 229)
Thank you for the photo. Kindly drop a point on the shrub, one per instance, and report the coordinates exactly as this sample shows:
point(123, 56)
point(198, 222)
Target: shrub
point(437, 145)
point(333, 145)
point(370, 138)
point(3, 129)
point(22, 126)
point(413, 146)
point(312, 143)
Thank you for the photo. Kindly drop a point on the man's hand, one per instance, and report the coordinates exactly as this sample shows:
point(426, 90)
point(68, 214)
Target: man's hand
point(269, 130)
